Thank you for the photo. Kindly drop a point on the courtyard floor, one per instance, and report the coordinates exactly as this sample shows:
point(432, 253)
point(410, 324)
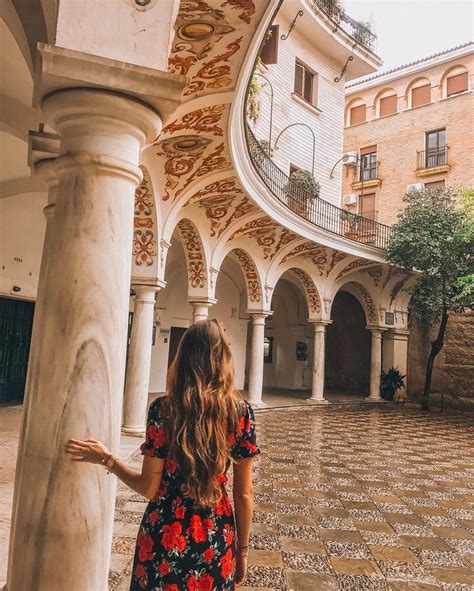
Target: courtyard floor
point(348, 497)
point(352, 499)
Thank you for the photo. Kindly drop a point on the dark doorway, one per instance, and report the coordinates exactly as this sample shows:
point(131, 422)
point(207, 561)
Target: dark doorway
point(16, 321)
point(347, 347)
point(175, 338)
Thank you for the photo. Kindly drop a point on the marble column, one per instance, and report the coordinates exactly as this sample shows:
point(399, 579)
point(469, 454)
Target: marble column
point(256, 362)
point(201, 309)
point(62, 533)
point(319, 354)
point(395, 351)
point(375, 362)
point(135, 403)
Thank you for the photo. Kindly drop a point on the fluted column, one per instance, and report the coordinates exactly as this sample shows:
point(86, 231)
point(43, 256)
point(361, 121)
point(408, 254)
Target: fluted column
point(319, 354)
point(201, 309)
point(137, 379)
point(256, 361)
point(375, 362)
point(62, 533)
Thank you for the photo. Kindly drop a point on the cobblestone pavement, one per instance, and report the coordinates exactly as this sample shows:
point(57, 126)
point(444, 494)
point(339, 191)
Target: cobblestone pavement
point(351, 499)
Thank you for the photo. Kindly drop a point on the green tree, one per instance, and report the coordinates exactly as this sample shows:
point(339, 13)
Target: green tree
point(434, 237)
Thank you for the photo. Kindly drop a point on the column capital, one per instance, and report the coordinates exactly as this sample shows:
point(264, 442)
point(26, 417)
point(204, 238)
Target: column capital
point(376, 329)
point(60, 68)
point(201, 301)
point(319, 324)
point(145, 284)
point(259, 316)
point(398, 333)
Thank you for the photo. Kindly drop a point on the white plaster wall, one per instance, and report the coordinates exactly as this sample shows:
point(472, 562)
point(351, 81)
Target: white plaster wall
point(119, 29)
point(22, 228)
point(173, 309)
point(295, 145)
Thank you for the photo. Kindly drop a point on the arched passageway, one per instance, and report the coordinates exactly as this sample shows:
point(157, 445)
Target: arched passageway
point(347, 347)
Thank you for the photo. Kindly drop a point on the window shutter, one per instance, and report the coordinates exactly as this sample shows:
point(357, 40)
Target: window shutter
point(457, 84)
point(388, 105)
point(367, 206)
point(299, 73)
point(308, 86)
point(357, 115)
point(421, 95)
point(269, 53)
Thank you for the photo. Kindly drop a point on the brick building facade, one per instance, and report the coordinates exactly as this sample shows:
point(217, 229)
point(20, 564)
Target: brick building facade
point(413, 127)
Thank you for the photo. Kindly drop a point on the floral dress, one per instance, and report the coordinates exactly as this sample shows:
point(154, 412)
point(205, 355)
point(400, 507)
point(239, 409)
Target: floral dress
point(181, 546)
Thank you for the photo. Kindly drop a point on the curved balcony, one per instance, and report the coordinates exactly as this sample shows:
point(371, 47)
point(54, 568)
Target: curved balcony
point(358, 31)
point(311, 207)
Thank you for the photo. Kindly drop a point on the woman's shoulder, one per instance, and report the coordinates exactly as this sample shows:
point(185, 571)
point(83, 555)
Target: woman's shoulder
point(155, 408)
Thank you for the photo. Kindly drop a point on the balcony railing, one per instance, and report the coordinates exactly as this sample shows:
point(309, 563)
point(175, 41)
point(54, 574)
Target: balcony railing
point(432, 157)
point(311, 207)
point(358, 31)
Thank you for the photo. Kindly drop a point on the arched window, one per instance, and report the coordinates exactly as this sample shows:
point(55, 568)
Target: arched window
point(419, 93)
point(356, 112)
point(455, 81)
point(386, 103)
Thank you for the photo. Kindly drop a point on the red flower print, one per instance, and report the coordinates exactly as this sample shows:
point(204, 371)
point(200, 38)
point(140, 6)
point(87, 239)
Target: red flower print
point(170, 587)
point(139, 570)
point(145, 547)
point(170, 466)
point(241, 426)
point(197, 529)
point(162, 491)
point(221, 478)
point(208, 554)
point(164, 568)
point(228, 534)
point(153, 516)
point(231, 439)
point(202, 583)
point(247, 424)
point(172, 537)
point(227, 564)
point(208, 523)
point(179, 512)
point(249, 446)
point(223, 506)
point(157, 435)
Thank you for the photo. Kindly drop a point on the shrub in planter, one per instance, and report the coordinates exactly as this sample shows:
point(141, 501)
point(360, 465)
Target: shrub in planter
point(391, 381)
point(300, 188)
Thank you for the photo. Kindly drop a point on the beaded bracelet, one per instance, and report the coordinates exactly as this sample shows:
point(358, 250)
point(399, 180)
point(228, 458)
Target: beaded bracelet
point(108, 462)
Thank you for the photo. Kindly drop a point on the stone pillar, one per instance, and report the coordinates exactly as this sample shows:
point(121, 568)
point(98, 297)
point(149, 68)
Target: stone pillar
point(395, 351)
point(201, 309)
point(256, 357)
point(375, 362)
point(135, 403)
point(319, 354)
point(62, 533)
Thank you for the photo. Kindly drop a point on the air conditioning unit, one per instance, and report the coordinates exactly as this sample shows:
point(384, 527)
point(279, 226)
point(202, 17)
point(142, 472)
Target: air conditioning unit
point(415, 187)
point(350, 199)
point(350, 158)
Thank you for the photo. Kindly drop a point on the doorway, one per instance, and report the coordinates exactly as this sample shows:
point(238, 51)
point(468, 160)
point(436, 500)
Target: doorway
point(176, 335)
point(16, 322)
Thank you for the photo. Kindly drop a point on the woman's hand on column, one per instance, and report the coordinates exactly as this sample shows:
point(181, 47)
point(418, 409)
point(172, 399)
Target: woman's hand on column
point(89, 450)
point(241, 557)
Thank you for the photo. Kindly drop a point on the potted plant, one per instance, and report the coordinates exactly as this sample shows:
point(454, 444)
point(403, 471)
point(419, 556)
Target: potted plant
point(300, 189)
point(351, 222)
point(253, 100)
point(391, 381)
point(362, 33)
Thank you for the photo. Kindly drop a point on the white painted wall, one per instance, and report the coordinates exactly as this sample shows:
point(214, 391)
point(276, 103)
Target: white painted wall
point(295, 145)
point(22, 228)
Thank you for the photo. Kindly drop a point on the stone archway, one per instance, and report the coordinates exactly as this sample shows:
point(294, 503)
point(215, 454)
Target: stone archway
point(347, 347)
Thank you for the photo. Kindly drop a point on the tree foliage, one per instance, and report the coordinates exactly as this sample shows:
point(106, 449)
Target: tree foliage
point(434, 237)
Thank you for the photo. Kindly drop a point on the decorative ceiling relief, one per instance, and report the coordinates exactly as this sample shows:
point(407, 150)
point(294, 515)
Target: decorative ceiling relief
point(268, 234)
point(312, 295)
point(324, 259)
point(193, 249)
point(376, 273)
point(144, 239)
point(254, 289)
point(246, 7)
point(202, 120)
point(225, 209)
point(367, 298)
point(357, 264)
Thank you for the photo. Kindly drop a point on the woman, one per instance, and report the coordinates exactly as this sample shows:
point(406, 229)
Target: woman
point(186, 539)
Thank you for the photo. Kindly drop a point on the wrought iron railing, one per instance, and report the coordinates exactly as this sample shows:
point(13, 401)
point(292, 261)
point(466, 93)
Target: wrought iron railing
point(358, 31)
point(311, 207)
point(432, 157)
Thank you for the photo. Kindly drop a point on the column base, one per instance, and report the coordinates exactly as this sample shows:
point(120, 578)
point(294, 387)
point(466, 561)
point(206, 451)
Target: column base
point(373, 399)
point(260, 404)
point(316, 401)
point(133, 431)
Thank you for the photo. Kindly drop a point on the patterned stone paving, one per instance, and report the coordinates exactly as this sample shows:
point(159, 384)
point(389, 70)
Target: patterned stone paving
point(351, 499)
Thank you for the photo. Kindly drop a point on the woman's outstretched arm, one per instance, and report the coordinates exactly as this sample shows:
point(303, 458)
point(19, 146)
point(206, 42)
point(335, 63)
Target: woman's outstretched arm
point(145, 482)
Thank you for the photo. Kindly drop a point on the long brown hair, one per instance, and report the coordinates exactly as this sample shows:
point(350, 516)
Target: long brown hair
point(202, 407)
